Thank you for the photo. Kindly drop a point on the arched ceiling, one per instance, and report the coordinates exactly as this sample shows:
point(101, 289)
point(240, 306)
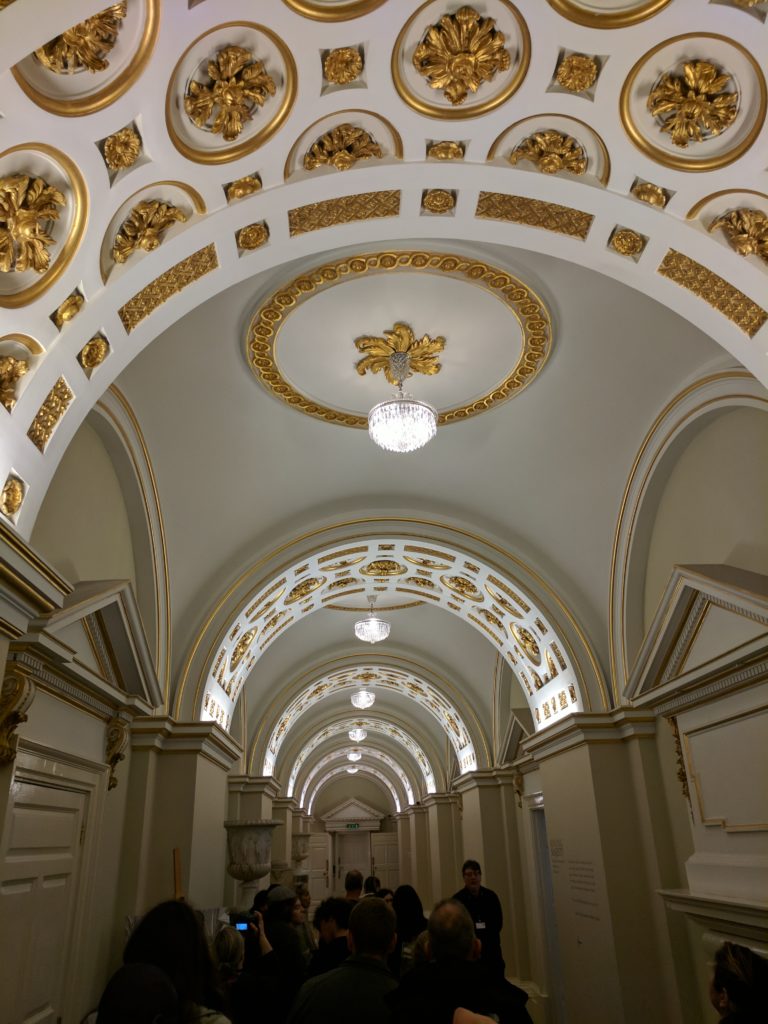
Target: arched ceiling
point(582, 265)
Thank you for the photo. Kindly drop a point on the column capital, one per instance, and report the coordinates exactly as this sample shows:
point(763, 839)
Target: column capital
point(483, 778)
point(167, 736)
point(289, 803)
point(436, 799)
point(587, 728)
point(265, 785)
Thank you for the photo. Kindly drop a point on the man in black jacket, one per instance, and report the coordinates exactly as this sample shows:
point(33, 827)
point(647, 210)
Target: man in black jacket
point(485, 910)
point(432, 992)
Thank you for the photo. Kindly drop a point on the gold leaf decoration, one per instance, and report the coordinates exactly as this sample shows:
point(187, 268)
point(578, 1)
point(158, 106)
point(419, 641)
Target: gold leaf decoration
point(551, 151)
point(446, 150)
point(86, 45)
point(438, 200)
point(627, 242)
point(341, 148)
point(383, 567)
point(69, 309)
point(241, 648)
point(253, 236)
point(12, 496)
point(303, 589)
point(715, 290)
point(49, 414)
point(462, 586)
point(238, 84)
point(243, 187)
point(143, 228)
point(534, 212)
point(93, 353)
point(649, 193)
point(27, 206)
point(694, 106)
point(11, 372)
point(460, 53)
point(399, 354)
point(746, 231)
point(343, 65)
point(122, 149)
point(174, 280)
point(344, 210)
point(577, 72)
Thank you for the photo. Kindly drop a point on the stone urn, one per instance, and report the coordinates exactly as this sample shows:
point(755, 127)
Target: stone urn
point(299, 847)
point(249, 849)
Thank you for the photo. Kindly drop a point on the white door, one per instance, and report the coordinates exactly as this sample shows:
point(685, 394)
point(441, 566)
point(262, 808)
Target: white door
point(353, 850)
point(319, 867)
point(384, 857)
point(39, 868)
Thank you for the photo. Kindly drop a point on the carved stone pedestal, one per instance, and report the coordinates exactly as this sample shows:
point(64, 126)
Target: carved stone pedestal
point(249, 854)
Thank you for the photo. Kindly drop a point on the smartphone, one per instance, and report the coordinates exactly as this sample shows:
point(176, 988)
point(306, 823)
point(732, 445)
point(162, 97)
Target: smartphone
point(242, 926)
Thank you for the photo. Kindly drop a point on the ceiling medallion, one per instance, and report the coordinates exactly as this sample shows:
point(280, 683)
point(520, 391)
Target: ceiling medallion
point(122, 149)
point(27, 205)
point(144, 227)
point(527, 308)
point(383, 567)
point(649, 193)
point(342, 65)
point(12, 497)
point(11, 372)
point(627, 242)
point(551, 151)
point(462, 586)
point(242, 187)
point(86, 46)
point(445, 150)
point(69, 309)
point(696, 105)
point(93, 354)
point(746, 231)
point(252, 236)
point(371, 629)
point(341, 147)
point(304, 588)
point(577, 72)
point(463, 63)
point(237, 85)
point(438, 200)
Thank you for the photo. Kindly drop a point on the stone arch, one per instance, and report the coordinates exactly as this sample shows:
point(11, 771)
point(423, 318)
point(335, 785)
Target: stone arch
point(372, 758)
point(336, 772)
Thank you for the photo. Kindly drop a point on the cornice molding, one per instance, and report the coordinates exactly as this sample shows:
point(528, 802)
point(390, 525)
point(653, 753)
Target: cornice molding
point(166, 736)
point(580, 729)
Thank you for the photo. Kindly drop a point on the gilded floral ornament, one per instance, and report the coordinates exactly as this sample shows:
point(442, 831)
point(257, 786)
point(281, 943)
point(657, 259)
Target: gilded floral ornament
point(243, 187)
point(577, 72)
point(460, 53)
point(11, 372)
point(649, 193)
point(446, 151)
point(746, 231)
point(399, 354)
point(69, 309)
point(122, 149)
point(551, 151)
point(12, 496)
point(438, 200)
point(253, 236)
point(93, 353)
point(341, 148)
point(342, 66)
point(86, 45)
point(25, 212)
point(627, 242)
point(694, 106)
point(143, 228)
point(238, 85)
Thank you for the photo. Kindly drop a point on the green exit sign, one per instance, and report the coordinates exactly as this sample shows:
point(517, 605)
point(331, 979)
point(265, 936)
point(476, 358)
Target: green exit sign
point(352, 824)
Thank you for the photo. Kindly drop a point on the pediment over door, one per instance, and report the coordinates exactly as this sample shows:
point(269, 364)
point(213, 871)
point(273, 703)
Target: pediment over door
point(352, 812)
point(710, 634)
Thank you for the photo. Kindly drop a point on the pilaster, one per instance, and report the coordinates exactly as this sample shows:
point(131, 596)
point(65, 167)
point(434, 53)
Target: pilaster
point(403, 823)
point(444, 844)
point(419, 846)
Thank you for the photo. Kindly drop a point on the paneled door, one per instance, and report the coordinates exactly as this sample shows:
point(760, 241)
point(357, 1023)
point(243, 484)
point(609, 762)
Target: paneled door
point(353, 850)
point(384, 855)
point(39, 869)
point(319, 867)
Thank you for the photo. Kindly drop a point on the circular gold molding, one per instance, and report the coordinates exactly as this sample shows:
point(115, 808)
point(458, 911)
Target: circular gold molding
point(70, 245)
point(224, 155)
point(672, 160)
point(697, 207)
point(528, 308)
point(612, 19)
point(474, 109)
point(77, 107)
point(341, 12)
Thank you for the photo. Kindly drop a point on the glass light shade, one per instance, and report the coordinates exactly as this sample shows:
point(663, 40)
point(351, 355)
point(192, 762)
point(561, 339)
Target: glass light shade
point(363, 699)
point(354, 755)
point(357, 735)
point(372, 629)
point(352, 770)
point(402, 424)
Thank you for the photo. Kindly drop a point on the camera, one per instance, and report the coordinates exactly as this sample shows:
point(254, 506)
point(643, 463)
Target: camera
point(241, 921)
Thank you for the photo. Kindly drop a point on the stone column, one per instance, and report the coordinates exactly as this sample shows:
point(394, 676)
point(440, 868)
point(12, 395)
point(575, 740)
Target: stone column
point(403, 822)
point(420, 859)
point(282, 811)
point(444, 845)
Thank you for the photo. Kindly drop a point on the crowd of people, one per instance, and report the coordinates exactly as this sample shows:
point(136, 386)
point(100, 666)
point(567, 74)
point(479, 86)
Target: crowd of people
point(370, 956)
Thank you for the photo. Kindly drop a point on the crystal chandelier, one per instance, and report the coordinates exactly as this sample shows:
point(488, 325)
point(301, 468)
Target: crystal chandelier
point(352, 770)
point(357, 735)
point(402, 423)
point(354, 755)
point(371, 629)
point(363, 699)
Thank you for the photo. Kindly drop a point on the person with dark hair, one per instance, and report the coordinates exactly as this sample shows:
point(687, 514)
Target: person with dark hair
point(411, 922)
point(455, 977)
point(387, 895)
point(139, 994)
point(739, 986)
point(353, 884)
point(287, 965)
point(485, 910)
point(371, 886)
point(355, 991)
point(331, 921)
point(171, 937)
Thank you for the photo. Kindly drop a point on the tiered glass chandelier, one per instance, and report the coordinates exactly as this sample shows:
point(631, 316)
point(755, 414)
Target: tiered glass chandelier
point(363, 699)
point(357, 735)
point(402, 423)
point(354, 755)
point(371, 629)
point(352, 770)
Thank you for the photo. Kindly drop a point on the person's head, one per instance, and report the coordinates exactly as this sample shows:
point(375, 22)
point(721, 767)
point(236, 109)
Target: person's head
point(281, 904)
point(302, 891)
point(371, 885)
point(472, 875)
point(372, 928)
point(297, 911)
point(229, 951)
point(171, 937)
point(332, 918)
point(387, 895)
point(408, 911)
point(353, 883)
point(452, 932)
point(138, 994)
point(740, 983)
point(259, 904)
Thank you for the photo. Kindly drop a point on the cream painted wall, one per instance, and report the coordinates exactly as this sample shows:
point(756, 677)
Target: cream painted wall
point(83, 527)
point(714, 507)
point(353, 787)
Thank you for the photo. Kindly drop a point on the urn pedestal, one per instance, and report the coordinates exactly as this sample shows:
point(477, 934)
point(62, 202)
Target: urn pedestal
point(249, 854)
